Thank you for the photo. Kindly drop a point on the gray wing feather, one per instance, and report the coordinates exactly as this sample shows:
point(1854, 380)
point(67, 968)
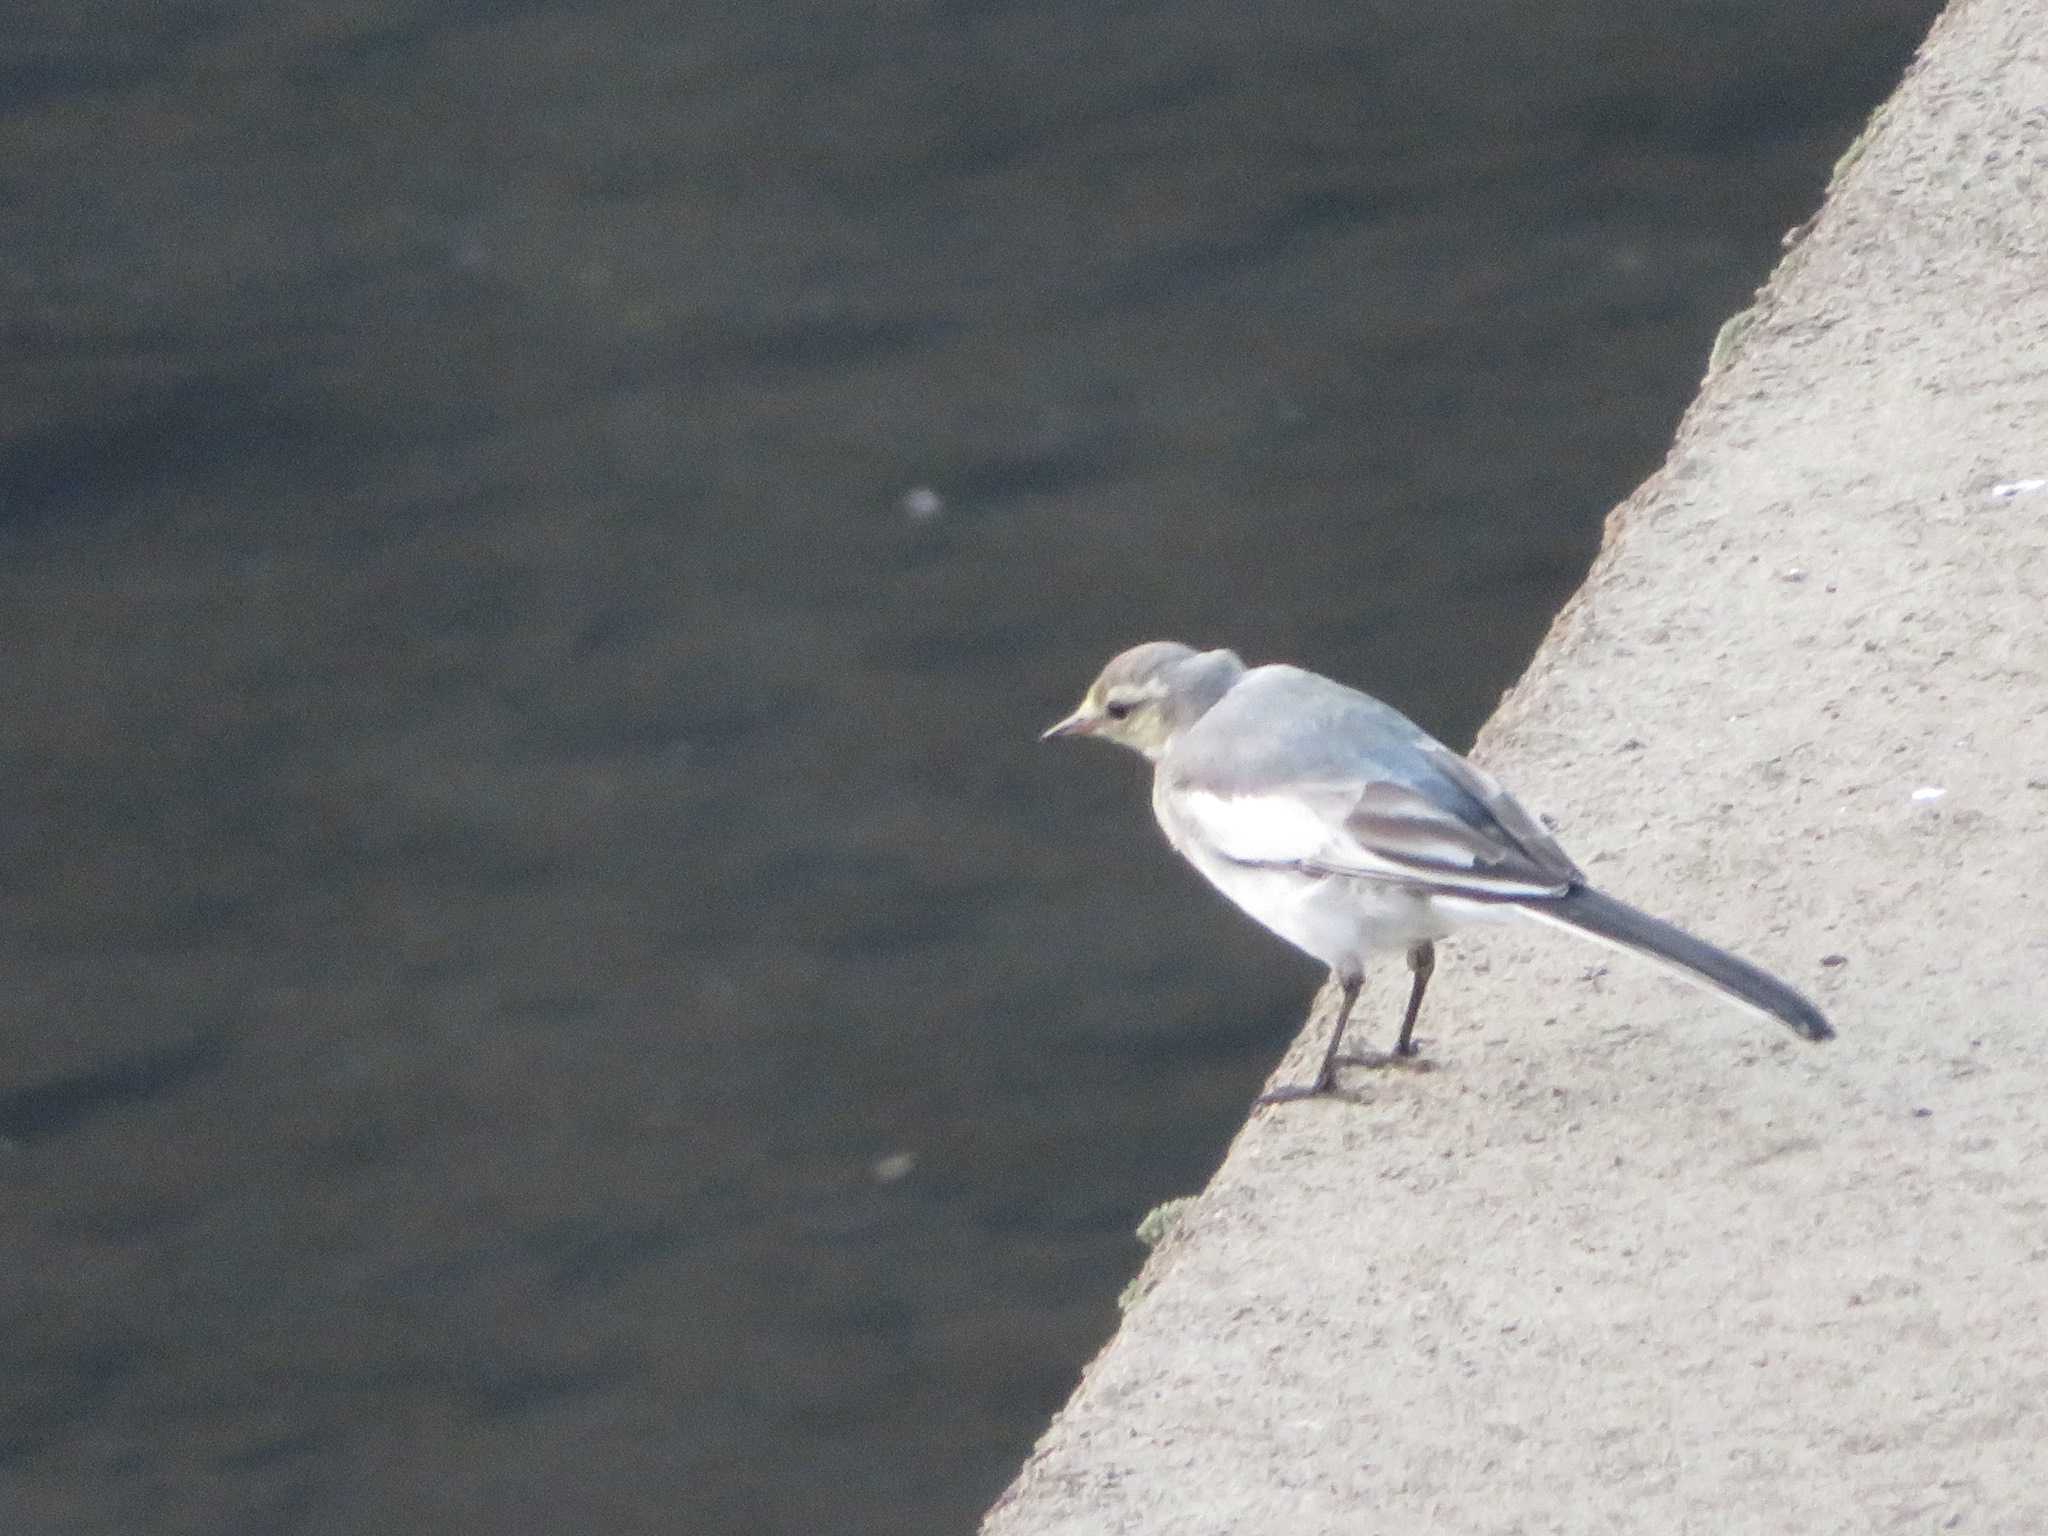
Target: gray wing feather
point(1396, 803)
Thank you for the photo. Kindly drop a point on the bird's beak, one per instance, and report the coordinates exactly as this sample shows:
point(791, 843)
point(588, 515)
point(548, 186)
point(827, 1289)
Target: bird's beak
point(1079, 723)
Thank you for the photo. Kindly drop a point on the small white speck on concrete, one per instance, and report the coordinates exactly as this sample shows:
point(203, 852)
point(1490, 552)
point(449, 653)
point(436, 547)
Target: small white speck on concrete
point(1926, 794)
point(2012, 488)
point(921, 504)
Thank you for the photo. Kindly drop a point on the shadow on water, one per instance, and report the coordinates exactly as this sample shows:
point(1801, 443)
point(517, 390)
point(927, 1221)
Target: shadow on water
point(52, 1400)
point(187, 432)
point(68, 61)
point(36, 1112)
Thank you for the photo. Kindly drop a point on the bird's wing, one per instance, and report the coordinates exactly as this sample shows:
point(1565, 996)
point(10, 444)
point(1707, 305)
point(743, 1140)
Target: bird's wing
point(1294, 770)
point(1509, 822)
point(1379, 830)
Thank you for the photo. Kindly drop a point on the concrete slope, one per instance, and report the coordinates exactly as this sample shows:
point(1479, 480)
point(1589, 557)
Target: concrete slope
point(1627, 1260)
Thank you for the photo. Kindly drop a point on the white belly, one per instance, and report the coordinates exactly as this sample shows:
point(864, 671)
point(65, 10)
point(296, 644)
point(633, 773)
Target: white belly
point(1339, 920)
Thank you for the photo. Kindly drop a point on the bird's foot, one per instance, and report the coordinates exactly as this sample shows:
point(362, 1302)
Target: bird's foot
point(1290, 1093)
point(1322, 1088)
point(1410, 1060)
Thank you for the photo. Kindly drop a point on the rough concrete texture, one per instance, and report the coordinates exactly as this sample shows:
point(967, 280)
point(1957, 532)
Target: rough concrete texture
point(1627, 1261)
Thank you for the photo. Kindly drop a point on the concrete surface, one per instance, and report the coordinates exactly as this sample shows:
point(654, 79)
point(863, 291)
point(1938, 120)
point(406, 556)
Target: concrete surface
point(1626, 1261)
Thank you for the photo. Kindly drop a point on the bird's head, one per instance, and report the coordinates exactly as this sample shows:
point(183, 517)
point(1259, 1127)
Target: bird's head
point(1150, 694)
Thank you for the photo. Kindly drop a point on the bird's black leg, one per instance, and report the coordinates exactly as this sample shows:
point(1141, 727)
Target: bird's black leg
point(1422, 961)
point(1326, 1074)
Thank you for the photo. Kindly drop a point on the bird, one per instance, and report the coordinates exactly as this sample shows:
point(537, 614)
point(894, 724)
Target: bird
point(1345, 828)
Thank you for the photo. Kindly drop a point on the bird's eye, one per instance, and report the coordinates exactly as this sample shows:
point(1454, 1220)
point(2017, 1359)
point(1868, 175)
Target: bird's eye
point(1118, 709)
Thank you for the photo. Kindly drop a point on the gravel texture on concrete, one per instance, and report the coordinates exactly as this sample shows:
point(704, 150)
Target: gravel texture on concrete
point(1626, 1260)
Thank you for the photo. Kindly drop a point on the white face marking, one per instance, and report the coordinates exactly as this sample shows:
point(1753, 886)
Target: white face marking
point(1131, 695)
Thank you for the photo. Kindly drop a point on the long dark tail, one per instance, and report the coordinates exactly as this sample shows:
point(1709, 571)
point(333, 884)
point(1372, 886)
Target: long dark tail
point(1614, 922)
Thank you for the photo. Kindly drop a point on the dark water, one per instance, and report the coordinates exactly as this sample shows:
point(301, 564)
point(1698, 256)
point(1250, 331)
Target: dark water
point(548, 986)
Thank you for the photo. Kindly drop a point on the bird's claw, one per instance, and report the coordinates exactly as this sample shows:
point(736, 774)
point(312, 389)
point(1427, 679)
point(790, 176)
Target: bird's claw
point(1410, 1060)
point(1290, 1093)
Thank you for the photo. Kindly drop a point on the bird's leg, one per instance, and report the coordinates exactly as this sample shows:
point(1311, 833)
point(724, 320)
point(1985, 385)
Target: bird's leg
point(1422, 961)
point(1326, 1074)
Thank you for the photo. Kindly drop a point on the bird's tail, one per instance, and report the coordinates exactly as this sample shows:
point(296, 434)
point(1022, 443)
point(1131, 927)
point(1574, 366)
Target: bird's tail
point(1601, 917)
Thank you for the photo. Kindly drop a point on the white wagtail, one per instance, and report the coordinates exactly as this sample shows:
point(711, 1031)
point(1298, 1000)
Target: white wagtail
point(1346, 828)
